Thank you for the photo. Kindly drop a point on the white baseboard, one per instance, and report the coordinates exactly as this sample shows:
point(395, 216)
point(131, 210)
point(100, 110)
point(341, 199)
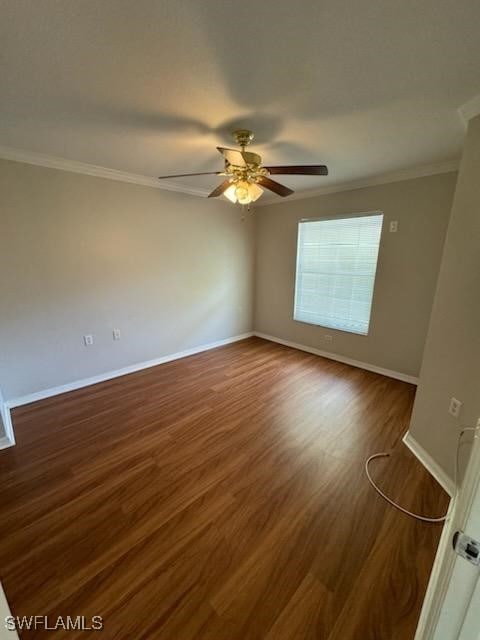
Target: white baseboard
point(333, 356)
point(429, 463)
point(109, 375)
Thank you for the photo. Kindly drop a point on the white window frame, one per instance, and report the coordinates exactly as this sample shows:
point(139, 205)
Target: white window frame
point(339, 216)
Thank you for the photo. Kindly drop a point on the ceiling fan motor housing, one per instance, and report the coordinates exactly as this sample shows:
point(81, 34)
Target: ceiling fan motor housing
point(243, 137)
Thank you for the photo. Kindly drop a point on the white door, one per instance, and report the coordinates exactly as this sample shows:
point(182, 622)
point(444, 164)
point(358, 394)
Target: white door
point(451, 610)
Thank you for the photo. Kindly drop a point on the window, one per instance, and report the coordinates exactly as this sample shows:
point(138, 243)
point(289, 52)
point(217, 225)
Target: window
point(336, 265)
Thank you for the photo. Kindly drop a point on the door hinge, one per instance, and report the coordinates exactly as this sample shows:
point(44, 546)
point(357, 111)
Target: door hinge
point(467, 547)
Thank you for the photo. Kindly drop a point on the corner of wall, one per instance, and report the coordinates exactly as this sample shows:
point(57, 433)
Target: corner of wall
point(450, 359)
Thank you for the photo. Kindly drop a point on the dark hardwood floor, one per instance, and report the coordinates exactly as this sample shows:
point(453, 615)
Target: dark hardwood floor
point(220, 497)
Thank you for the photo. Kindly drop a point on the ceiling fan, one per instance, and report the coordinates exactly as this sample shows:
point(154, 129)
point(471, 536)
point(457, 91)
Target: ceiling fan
point(245, 175)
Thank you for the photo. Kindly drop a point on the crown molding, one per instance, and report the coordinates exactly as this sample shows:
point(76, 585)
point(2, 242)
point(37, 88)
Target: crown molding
point(384, 178)
point(469, 110)
point(55, 162)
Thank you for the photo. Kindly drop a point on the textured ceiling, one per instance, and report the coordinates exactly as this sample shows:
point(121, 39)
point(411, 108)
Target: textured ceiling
point(151, 86)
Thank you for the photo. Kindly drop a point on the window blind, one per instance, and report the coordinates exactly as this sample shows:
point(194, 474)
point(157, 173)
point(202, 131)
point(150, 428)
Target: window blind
point(336, 266)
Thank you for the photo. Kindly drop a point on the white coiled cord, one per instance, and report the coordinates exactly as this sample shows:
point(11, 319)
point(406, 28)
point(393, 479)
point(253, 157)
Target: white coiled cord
point(402, 509)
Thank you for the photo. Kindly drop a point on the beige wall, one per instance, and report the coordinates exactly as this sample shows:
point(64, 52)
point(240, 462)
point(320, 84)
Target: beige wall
point(406, 276)
point(452, 353)
point(83, 255)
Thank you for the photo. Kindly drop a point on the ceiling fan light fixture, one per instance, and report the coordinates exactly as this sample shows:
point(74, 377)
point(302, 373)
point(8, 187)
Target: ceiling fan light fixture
point(255, 191)
point(230, 193)
point(243, 192)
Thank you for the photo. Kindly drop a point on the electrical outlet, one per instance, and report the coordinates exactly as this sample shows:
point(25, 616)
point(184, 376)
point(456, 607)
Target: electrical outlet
point(393, 226)
point(117, 334)
point(327, 337)
point(88, 340)
point(455, 407)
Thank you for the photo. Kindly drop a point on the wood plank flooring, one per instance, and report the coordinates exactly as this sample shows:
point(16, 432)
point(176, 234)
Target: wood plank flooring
point(219, 497)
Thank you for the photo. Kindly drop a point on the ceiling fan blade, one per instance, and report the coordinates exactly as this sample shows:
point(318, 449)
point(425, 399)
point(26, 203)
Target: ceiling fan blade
point(233, 156)
point(276, 187)
point(220, 189)
point(300, 170)
point(187, 175)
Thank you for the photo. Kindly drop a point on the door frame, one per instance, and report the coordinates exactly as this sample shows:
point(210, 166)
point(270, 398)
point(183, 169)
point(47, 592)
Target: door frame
point(454, 584)
point(6, 426)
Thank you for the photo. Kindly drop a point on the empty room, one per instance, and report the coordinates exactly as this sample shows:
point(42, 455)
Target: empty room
point(239, 320)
